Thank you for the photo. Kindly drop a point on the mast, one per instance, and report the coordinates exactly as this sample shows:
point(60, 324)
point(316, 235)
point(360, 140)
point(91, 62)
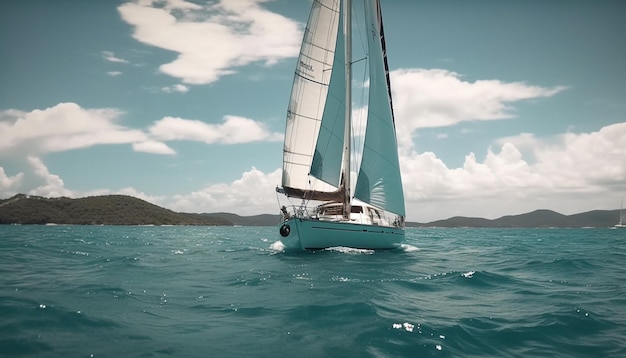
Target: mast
point(347, 134)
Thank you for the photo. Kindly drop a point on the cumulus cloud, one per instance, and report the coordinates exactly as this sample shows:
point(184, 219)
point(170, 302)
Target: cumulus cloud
point(505, 181)
point(595, 159)
point(253, 193)
point(9, 184)
point(212, 40)
point(52, 186)
point(65, 126)
point(233, 130)
point(46, 184)
point(590, 165)
point(437, 98)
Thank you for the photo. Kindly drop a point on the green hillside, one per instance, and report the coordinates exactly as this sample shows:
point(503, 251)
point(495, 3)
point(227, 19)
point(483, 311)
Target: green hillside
point(127, 210)
point(94, 210)
point(534, 219)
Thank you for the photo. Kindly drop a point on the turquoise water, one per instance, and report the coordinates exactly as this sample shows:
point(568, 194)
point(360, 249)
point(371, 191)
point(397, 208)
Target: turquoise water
point(82, 291)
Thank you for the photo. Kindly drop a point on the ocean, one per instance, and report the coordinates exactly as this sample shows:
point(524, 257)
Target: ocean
point(122, 291)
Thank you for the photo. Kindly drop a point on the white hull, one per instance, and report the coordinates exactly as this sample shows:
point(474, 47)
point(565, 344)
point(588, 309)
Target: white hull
point(307, 234)
point(620, 226)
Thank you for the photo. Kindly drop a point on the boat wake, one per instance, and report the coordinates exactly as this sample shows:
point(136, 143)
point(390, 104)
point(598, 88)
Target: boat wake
point(277, 247)
point(350, 250)
point(409, 248)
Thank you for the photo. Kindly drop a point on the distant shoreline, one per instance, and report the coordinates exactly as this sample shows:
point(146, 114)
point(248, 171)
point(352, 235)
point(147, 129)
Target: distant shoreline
point(25, 209)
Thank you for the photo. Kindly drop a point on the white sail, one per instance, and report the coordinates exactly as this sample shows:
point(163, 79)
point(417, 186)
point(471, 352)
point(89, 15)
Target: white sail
point(308, 98)
point(327, 158)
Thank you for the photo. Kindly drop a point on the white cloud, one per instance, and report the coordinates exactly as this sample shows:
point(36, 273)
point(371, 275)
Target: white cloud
point(233, 130)
point(175, 88)
point(502, 183)
point(52, 186)
point(110, 56)
point(212, 40)
point(114, 73)
point(594, 159)
point(438, 98)
point(65, 126)
point(153, 147)
point(9, 185)
point(252, 194)
point(569, 173)
point(43, 183)
point(180, 5)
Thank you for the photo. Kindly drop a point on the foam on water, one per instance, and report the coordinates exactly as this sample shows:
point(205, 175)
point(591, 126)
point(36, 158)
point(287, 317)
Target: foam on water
point(468, 274)
point(350, 250)
point(409, 248)
point(277, 247)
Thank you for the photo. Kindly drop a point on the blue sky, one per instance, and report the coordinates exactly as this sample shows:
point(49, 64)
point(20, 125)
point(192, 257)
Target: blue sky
point(502, 107)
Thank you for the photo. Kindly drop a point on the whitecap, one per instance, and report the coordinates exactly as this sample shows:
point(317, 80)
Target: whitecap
point(406, 325)
point(409, 248)
point(469, 274)
point(277, 247)
point(341, 279)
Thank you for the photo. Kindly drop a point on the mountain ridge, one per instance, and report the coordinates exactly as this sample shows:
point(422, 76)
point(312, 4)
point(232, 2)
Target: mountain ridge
point(128, 210)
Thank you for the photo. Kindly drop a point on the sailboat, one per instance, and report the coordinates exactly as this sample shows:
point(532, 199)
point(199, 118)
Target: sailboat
point(334, 211)
point(622, 219)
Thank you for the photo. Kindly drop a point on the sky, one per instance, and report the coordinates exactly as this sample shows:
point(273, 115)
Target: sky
point(501, 107)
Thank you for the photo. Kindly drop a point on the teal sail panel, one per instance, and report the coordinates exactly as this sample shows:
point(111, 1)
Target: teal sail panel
point(326, 164)
point(379, 181)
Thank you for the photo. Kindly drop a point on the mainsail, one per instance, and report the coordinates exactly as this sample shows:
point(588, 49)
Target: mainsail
point(315, 110)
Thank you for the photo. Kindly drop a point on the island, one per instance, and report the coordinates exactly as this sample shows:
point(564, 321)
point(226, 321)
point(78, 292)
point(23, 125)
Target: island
point(127, 210)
